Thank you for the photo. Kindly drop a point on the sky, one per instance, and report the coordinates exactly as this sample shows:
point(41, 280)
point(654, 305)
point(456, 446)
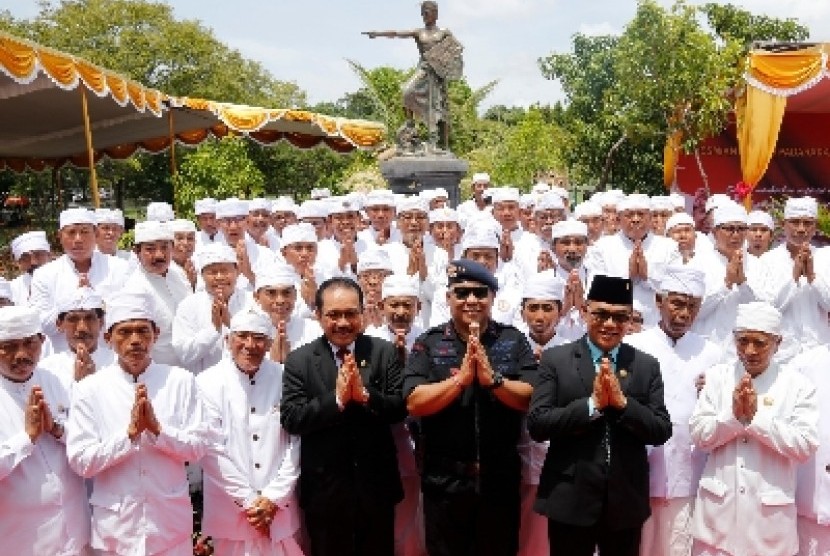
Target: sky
point(308, 41)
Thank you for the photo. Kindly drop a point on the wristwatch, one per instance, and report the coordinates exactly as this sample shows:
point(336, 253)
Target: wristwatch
point(498, 382)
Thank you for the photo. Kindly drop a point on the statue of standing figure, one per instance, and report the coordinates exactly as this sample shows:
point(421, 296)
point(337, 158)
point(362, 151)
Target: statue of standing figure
point(425, 94)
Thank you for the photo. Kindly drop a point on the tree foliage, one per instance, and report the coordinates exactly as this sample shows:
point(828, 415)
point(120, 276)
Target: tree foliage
point(531, 147)
point(666, 74)
point(217, 169)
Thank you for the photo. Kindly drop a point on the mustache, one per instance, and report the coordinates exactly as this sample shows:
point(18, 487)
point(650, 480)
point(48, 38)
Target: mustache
point(23, 361)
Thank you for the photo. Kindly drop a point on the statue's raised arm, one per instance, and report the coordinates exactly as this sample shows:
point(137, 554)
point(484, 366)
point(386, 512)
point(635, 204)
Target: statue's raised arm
point(391, 34)
point(425, 94)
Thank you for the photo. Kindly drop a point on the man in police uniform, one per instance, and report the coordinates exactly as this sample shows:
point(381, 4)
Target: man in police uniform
point(469, 382)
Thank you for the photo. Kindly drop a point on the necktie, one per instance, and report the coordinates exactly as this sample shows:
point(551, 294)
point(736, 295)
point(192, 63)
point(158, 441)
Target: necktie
point(606, 438)
point(341, 354)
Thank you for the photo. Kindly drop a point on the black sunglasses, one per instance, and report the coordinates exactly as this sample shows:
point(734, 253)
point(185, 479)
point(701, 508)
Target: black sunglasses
point(603, 316)
point(463, 292)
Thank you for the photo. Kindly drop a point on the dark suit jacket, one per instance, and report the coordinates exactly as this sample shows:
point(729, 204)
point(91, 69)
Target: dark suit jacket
point(350, 453)
point(577, 486)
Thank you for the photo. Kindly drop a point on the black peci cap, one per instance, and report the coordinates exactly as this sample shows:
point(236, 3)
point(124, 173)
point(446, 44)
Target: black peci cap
point(611, 289)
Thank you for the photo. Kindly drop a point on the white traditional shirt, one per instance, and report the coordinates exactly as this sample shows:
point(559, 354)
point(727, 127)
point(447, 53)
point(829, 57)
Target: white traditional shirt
point(610, 256)
point(526, 253)
point(140, 496)
point(812, 496)
point(369, 235)
point(404, 443)
point(533, 453)
point(62, 363)
point(329, 250)
point(716, 319)
point(42, 501)
point(197, 343)
point(167, 291)
point(20, 289)
point(59, 279)
point(253, 455)
point(746, 497)
point(675, 467)
point(202, 238)
point(804, 306)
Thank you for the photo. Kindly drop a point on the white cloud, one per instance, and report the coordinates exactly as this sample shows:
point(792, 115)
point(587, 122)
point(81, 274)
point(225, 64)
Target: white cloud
point(490, 9)
point(598, 29)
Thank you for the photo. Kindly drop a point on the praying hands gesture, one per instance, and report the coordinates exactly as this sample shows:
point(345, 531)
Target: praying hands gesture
point(744, 400)
point(417, 259)
point(607, 391)
point(637, 265)
point(506, 246)
point(142, 416)
point(735, 269)
point(84, 365)
point(349, 384)
point(574, 292)
point(280, 347)
point(803, 264)
point(37, 418)
point(348, 255)
point(219, 313)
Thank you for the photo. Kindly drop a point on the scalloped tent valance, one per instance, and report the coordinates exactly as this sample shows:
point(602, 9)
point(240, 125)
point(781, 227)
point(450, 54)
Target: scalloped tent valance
point(792, 82)
point(42, 121)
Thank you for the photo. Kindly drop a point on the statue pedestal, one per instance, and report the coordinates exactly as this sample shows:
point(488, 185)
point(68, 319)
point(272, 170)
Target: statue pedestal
point(413, 174)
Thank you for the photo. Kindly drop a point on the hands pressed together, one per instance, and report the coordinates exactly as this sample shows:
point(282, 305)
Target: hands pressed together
point(475, 366)
point(143, 416)
point(735, 269)
point(349, 385)
point(637, 265)
point(607, 390)
point(280, 347)
point(744, 399)
point(38, 417)
point(803, 264)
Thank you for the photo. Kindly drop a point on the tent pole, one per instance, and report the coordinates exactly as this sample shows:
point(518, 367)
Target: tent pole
point(172, 142)
point(93, 176)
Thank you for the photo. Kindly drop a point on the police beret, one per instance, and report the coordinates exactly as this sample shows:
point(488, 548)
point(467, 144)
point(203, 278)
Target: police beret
point(463, 270)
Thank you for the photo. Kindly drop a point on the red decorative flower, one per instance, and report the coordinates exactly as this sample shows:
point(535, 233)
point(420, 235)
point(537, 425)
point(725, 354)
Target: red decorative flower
point(742, 189)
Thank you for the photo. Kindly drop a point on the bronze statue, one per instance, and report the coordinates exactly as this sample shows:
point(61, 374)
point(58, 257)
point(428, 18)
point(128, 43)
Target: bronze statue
point(425, 94)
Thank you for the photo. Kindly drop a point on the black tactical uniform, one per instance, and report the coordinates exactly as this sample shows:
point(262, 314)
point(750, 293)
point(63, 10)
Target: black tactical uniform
point(471, 467)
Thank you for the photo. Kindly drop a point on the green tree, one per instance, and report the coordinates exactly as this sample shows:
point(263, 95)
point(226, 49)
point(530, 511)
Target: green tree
point(218, 169)
point(530, 147)
point(732, 23)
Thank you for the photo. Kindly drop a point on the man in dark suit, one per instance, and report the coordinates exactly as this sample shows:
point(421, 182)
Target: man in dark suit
point(340, 394)
point(600, 403)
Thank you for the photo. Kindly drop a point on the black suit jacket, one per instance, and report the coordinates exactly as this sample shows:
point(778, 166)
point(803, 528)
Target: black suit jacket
point(577, 485)
point(349, 453)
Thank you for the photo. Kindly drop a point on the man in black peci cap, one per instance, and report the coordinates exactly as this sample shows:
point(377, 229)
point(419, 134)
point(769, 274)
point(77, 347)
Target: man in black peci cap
point(599, 402)
point(469, 381)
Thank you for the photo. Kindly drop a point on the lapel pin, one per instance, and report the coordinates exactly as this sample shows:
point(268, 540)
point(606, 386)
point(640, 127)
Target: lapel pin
point(623, 373)
point(363, 363)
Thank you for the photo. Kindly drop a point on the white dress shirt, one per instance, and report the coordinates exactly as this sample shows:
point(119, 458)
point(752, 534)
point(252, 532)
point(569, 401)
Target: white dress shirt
point(610, 256)
point(675, 467)
point(812, 495)
point(167, 291)
point(62, 364)
point(746, 497)
point(58, 279)
point(20, 289)
point(197, 343)
point(716, 319)
point(140, 497)
point(43, 504)
point(253, 455)
point(804, 306)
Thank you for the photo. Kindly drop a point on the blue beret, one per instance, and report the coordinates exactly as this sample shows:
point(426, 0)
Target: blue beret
point(463, 270)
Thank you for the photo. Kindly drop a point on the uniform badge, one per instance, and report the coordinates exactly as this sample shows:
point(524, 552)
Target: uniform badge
point(452, 271)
